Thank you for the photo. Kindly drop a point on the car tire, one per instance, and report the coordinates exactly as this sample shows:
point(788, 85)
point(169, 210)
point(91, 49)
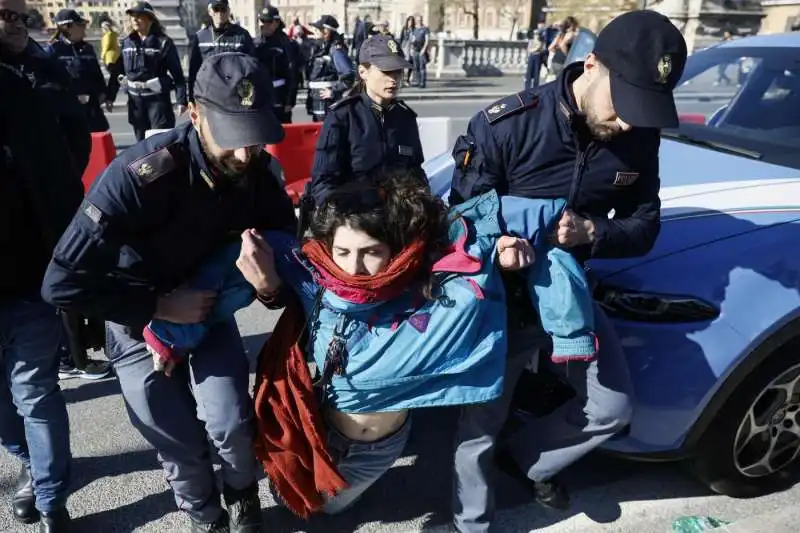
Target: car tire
point(777, 414)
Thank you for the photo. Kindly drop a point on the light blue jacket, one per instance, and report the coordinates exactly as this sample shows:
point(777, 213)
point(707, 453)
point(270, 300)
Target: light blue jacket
point(448, 351)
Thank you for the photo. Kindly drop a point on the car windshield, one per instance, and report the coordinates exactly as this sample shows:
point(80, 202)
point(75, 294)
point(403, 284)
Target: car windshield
point(747, 98)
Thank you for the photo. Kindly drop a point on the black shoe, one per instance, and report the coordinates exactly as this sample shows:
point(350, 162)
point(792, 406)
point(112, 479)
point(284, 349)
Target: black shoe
point(23, 504)
point(245, 509)
point(56, 522)
point(551, 494)
point(548, 493)
point(220, 525)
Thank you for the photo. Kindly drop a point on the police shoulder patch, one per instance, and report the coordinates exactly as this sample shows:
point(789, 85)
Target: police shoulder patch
point(510, 105)
point(152, 166)
point(345, 101)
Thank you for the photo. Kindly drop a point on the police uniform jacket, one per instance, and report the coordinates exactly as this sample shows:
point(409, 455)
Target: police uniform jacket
point(330, 63)
point(210, 41)
point(150, 220)
point(535, 144)
point(359, 136)
point(80, 61)
point(275, 53)
point(44, 148)
point(142, 60)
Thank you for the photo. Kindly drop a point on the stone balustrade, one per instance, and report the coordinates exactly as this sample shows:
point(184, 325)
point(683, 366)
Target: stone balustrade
point(449, 58)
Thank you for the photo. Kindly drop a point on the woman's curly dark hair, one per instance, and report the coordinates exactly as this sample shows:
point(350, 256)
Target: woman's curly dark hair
point(394, 206)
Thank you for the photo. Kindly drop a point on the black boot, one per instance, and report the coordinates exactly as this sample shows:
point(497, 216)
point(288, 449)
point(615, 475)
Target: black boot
point(56, 522)
point(220, 525)
point(245, 509)
point(548, 493)
point(23, 504)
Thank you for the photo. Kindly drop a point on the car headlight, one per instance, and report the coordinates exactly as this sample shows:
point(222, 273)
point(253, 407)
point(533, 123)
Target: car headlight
point(651, 307)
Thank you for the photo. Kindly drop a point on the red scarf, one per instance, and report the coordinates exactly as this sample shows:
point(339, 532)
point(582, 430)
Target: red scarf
point(290, 439)
point(385, 285)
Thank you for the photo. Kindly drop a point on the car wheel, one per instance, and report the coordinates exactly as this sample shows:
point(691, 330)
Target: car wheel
point(751, 447)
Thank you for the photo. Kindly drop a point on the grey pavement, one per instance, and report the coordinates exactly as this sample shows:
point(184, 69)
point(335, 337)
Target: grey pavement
point(119, 487)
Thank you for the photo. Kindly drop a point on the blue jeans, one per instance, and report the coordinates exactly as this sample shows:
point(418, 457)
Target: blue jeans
point(420, 64)
point(534, 71)
point(33, 416)
point(205, 402)
point(544, 446)
point(362, 463)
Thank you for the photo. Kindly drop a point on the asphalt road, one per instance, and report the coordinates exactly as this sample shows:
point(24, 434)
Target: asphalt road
point(459, 112)
point(119, 487)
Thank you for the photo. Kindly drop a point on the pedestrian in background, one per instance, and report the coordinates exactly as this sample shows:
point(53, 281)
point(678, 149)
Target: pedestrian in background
point(420, 45)
point(150, 68)
point(368, 129)
point(44, 148)
point(175, 198)
point(109, 45)
point(406, 35)
point(80, 60)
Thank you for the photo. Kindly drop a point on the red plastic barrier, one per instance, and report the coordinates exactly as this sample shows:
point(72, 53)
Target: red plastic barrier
point(296, 155)
point(103, 153)
point(692, 118)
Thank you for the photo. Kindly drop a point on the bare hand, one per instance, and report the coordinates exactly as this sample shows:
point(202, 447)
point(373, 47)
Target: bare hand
point(574, 230)
point(185, 306)
point(514, 253)
point(326, 94)
point(257, 263)
point(160, 366)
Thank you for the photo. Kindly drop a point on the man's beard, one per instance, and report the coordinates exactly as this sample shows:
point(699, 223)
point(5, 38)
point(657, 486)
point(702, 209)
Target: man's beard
point(602, 130)
point(227, 169)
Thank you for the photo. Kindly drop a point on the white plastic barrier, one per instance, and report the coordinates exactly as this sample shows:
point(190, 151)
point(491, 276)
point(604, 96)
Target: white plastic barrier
point(434, 132)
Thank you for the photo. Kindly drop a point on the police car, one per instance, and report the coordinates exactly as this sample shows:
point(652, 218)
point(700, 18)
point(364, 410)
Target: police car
point(710, 318)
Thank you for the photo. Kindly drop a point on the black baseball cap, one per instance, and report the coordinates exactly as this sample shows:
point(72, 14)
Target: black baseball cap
point(327, 21)
point(646, 55)
point(69, 16)
point(141, 8)
point(218, 4)
point(269, 14)
point(236, 96)
point(383, 52)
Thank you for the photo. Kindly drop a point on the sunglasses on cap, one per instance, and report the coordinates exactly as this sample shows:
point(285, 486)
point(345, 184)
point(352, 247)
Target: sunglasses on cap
point(12, 17)
point(356, 199)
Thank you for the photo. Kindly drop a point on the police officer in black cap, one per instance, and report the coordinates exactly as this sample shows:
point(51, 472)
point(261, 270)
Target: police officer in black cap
point(369, 128)
point(150, 68)
point(149, 221)
point(276, 54)
point(220, 36)
point(332, 71)
point(80, 59)
point(591, 136)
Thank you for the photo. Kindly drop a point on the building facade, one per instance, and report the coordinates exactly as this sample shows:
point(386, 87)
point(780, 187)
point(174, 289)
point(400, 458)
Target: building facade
point(780, 15)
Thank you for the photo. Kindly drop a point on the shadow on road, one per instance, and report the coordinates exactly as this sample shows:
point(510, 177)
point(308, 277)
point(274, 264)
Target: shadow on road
point(127, 517)
point(91, 390)
point(89, 469)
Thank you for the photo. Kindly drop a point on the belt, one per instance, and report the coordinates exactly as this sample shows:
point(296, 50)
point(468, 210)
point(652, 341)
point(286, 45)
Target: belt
point(278, 83)
point(320, 84)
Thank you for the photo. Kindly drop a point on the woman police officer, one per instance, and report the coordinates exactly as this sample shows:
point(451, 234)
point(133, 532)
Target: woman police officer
point(369, 128)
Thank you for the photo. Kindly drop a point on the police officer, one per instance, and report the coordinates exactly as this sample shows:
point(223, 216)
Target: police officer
point(331, 73)
point(591, 136)
point(370, 128)
point(147, 224)
point(44, 147)
point(80, 60)
point(220, 36)
point(150, 68)
point(275, 53)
